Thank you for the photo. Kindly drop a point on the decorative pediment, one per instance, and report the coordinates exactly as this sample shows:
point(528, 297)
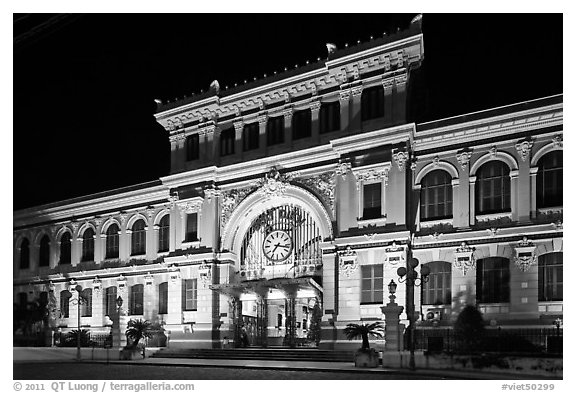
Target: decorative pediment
point(464, 258)
point(348, 261)
point(379, 173)
point(191, 206)
point(324, 185)
point(525, 257)
point(273, 185)
point(395, 255)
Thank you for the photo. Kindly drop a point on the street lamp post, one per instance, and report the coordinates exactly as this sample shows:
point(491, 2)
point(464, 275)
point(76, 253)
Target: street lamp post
point(119, 302)
point(80, 300)
point(409, 275)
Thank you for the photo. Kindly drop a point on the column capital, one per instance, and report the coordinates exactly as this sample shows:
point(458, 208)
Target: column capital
point(239, 125)
point(315, 105)
point(357, 91)
point(344, 95)
point(387, 84)
point(262, 118)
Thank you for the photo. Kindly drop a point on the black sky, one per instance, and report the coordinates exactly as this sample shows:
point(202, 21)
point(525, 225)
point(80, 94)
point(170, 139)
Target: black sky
point(84, 87)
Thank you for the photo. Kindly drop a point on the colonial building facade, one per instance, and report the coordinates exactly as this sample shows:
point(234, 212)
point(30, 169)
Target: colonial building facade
point(307, 190)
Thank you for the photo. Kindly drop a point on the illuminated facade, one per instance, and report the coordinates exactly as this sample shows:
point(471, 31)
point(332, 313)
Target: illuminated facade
point(301, 190)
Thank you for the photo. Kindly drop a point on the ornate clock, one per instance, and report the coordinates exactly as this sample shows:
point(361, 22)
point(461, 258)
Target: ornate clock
point(277, 246)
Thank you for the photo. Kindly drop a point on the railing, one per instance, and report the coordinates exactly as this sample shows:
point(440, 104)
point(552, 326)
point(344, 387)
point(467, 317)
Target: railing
point(516, 340)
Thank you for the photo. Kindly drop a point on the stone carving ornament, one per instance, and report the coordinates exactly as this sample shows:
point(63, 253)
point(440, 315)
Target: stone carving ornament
point(324, 185)
point(348, 262)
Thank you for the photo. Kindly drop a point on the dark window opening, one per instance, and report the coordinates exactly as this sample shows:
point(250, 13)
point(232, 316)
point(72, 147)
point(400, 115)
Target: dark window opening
point(163, 298)
point(493, 188)
point(164, 234)
point(139, 238)
point(192, 147)
point(372, 201)
point(227, 140)
point(137, 299)
point(44, 258)
point(88, 245)
point(111, 296)
point(329, 117)
point(438, 289)
point(372, 103)
point(549, 180)
point(275, 130)
point(436, 196)
point(192, 227)
point(493, 280)
point(550, 277)
point(372, 284)
point(25, 254)
point(65, 303)
point(190, 295)
point(86, 307)
point(302, 124)
point(250, 136)
point(112, 242)
point(65, 249)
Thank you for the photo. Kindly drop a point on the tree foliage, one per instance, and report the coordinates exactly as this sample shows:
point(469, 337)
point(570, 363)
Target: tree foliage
point(137, 330)
point(469, 328)
point(364, 331)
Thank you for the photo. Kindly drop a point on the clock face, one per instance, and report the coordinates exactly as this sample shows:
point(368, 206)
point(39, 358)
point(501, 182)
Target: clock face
point(277, 246)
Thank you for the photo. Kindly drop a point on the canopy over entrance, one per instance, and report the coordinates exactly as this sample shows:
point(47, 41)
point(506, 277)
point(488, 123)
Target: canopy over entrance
point(286, 300)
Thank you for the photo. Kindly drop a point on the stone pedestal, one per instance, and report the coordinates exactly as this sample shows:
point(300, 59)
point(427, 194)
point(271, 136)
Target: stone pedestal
point(392, 329)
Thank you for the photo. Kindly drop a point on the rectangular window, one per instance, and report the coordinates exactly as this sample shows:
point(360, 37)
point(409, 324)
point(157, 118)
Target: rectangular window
point(86, 308)
point(227, 140)
point(192, 147)
point(192, 227)
point(251, 136)
point(372, 284)
point(372, 103)
point(163, 298)
point(302, 124)
point(190, 295)
point(65, 304)
point(137, 299)
point(329, 117)
point(111, 296)
point(275, 130)
point(372, 207)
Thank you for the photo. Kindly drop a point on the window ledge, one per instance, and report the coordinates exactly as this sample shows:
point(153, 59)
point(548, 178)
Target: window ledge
point(192, 244)
point(493, 216)
point(550, 210)
point(372, 221)
point(431, 223)
point(551, 307)
point(494, 308)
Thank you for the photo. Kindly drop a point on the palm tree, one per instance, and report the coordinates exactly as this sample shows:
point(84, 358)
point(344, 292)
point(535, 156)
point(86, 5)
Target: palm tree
point(354, 330)
point(137, 330)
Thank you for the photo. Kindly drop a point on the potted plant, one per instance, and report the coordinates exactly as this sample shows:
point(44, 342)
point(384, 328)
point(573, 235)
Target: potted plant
point(137, 330)
point(365, 356)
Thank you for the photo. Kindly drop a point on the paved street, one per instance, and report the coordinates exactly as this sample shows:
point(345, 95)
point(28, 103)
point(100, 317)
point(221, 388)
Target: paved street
point(66, 371)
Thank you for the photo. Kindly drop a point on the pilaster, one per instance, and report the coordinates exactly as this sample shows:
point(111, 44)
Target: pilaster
point(98, 309)
point(344, 109)
point(388, 98)
point(174, 298)
point(471, 197)
point(315, 109)
point(514, 194)
point(533, 207)
point(356, 109)
point(238, 129)
point(262, 120)
point(400, 99)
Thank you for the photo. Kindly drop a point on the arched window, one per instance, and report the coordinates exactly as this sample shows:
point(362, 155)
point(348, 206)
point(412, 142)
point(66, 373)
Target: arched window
point(139, 238)
point(164, 234)
point(25, 254)
point(111, 296)
point(163, 298)
point(549, 180)
point(112, 242)
point(550, 277)
point(493, 188)
point(65, 296)
point(86, 307)
point(44, 258)
point(493, 280)
point(372, 103)
point(88, 245)
point(436, 196)
point(65, 249)
point(438, 288)
point(137, 299)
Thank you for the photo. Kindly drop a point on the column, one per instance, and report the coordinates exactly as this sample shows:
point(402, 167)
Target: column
point(399, 105)
point(101, 249)
point(387, 84)
point(262, 119)
point(238, 129)
point(126, 253)
point(150, 298)
point(174, 164)
point(235, 328)
point(472, 195)
point(356, 109)
point(288, 112)
point(54, 253)
point(97, 303)
point(315, 109)
point(173, 228)
point(203, 147)
point(456, 219)
point(463, 195)
point(73, 305)
point(533, 207)
point(151, 242)
point(174, 298)
point(181, 152)
point(210, 144)
point(291, 291)
point(99, 239)
point(514, 195)
point(344, 109)
point(75, 246)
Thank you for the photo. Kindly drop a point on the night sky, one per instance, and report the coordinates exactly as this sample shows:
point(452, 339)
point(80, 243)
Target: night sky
point(84, 85)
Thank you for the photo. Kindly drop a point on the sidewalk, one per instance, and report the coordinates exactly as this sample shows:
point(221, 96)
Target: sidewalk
point(63, 355)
